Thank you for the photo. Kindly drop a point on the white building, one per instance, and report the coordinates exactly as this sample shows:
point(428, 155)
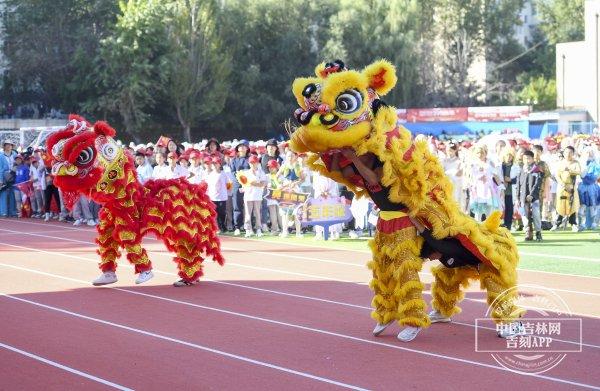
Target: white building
point(578, 68)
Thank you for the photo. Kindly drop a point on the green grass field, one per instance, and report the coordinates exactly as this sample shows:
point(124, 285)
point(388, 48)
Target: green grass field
point(561, 252)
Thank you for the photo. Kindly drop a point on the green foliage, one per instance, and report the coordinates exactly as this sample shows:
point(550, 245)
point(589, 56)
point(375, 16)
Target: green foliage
point(200, 68)
point(539, 92)
point(562, 20)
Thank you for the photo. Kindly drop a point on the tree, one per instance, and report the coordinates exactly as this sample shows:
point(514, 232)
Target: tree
point(198, 64)
point(129, 68)
point(540, 93)
point(49, 44)
point(562, 20)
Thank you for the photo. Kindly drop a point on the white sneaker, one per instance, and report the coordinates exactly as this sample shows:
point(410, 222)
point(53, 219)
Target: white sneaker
point(317, 237)
point(105, 279)
point(61, 218)
point(265, 227)
point(352, 234)
point(409, 333)
point(574, 228)
point(259, 233)
point(554, 227)
point(380, 327)
point(511, 330)
point(91, 223)
point(77, 222)
point(436, 317)
point(249, 233)
point(47, 217)
point(144, 276)
point(299, 235)
point(284, 234)
point(236, 232)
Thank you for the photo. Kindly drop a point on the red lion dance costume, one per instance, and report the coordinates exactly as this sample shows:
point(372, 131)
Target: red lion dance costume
point(86, 160)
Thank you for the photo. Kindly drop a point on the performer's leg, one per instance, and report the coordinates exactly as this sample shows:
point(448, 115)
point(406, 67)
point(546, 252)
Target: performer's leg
point(137, 256)
point(108, 248)
point(501, 294)
point(446, 289)
point(398, 290)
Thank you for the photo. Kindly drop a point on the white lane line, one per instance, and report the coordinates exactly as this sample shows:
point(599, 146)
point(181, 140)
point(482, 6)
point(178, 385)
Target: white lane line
point(64, 367)
point(553, 256)
point(35, 271)
point(251, 267)
point(322, 247)
point(300, 327)
point(280, 256)
point(189, 344)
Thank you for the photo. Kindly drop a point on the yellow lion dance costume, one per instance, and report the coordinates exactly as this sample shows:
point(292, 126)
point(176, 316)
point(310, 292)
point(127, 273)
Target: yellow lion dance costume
point(339, 110)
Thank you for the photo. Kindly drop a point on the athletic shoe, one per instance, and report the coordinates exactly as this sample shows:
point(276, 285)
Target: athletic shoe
point(575, 228)
point(46, 218)
point(265, 227)
point(249, 233)
point(283, 234)
point(259, 233)
point(105, 279)
point(511, 330)
point(317, 237)
point(299, 235)
point(91, 223)
point(236, 232)
point(183, 282)
point(538, 236)
point(144, 276)
point(380, 327)
point(78, 222)
point(61, 218)
point(436, 317)
point(408, 334)
point(554, 227)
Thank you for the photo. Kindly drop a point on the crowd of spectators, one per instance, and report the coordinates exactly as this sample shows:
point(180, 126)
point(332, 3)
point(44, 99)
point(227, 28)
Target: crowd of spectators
point(540, 185)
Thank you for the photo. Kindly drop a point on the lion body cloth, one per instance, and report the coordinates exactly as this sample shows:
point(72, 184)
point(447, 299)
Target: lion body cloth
point(86, 160)
point(339, 110)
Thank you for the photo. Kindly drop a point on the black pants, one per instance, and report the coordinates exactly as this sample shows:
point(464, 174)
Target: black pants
point(572, 219)
point(238, 208)
point(51, 191)
point(508, 210)
point(221, 214)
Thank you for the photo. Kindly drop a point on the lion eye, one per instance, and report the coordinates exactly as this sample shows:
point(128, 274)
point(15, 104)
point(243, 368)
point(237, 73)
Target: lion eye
point(85, 156)
point(348, 102)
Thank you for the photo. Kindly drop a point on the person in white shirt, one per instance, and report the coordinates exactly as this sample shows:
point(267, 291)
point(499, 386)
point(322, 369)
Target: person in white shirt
point(161, 169)
point(253, 195)
point(37, 197)
point(216, 181)
point(174, 170)
point(143, 168)
point(197, 172)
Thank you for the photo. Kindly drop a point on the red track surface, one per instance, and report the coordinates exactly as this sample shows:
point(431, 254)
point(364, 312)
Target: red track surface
point(277, 316)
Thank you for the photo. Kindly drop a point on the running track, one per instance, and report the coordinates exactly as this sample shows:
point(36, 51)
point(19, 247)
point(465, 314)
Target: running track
point(277, 316)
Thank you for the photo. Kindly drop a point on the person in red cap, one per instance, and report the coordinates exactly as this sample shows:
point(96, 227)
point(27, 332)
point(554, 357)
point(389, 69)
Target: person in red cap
point(197, 172)
point(238, 163)
point(253, 195)
point(143, 167)
point(161, 170)
point(216, 181)
point(175, 170)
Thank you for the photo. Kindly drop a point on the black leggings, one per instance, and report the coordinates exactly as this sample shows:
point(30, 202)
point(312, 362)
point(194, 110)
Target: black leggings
point(221, 214)
point(51, 191)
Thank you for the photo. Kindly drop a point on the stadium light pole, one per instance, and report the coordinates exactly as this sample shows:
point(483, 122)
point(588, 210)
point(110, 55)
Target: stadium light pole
point(563, 81)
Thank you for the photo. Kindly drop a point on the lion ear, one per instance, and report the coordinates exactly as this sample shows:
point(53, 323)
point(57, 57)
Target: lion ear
point(298, 87)
point(381, 76)
point(319, 70)
point(104, 129)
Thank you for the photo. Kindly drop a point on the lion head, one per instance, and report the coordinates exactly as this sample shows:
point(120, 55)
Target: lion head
point(337, 107)
point(80, 154)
